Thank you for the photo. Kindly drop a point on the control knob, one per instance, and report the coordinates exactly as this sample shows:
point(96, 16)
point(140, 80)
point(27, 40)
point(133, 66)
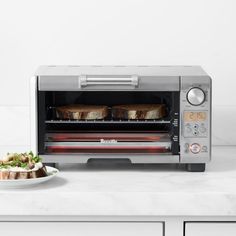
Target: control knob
point(195, 96)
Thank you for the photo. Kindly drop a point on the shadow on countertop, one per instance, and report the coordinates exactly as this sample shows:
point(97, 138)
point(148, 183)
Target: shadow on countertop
point(120, 167)
point(56, 182)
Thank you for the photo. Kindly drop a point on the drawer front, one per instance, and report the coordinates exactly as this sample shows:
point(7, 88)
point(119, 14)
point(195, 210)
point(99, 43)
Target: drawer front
point(210, 229)
point(82, 228)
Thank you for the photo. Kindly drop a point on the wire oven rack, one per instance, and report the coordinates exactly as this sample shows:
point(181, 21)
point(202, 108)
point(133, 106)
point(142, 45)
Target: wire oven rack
point(108, 121)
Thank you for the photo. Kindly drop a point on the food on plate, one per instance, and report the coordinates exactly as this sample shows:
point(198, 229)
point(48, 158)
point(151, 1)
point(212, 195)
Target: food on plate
point(139, 111)
point(82, 112)
point(21, 166)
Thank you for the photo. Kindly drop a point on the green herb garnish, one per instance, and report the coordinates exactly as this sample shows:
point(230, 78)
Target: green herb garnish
point(23, 160)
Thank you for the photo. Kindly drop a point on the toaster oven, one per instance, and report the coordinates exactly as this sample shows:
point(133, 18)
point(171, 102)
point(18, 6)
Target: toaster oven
point(181, 134)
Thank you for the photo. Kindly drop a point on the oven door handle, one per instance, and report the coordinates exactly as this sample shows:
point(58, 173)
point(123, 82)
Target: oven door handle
point(85, 81)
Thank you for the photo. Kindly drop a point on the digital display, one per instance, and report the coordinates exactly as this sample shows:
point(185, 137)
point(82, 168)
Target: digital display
point(190, 116)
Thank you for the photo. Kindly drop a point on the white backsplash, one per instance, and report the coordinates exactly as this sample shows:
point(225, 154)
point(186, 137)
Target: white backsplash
point(15, 127)
point(223, 125)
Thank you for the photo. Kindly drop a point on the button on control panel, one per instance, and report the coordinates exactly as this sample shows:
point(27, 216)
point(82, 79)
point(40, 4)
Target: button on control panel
point(195, 130)
point(204, 149)
point(195, 148)
point(186, 147)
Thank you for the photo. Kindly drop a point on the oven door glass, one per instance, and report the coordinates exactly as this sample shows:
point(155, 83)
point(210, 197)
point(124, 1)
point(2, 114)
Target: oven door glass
point(151, 131)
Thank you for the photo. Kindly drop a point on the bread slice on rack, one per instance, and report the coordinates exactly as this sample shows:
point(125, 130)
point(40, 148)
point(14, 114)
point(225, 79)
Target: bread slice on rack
point(139, 111)
point(82, 112)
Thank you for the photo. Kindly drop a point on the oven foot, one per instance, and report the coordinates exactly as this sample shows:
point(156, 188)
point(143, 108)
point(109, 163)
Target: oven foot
point(199, 167)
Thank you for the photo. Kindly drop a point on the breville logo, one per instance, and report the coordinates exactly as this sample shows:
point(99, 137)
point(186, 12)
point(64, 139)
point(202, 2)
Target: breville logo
point(108, 140)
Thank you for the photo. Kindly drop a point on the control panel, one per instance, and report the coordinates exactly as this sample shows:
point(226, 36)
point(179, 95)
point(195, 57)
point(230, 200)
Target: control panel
point(195, 107)
point(195, 124)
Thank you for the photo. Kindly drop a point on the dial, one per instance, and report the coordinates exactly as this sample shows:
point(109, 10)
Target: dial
point(195, 96)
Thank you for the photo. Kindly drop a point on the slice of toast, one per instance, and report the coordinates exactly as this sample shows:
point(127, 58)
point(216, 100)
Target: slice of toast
point(82, 112)
point(139, 111)
point(27, 174)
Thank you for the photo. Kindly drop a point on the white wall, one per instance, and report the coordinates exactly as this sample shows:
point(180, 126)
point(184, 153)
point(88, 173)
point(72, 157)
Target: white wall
point(168, 32)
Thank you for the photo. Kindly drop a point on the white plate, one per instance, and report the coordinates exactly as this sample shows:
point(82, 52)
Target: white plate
point(19, 183)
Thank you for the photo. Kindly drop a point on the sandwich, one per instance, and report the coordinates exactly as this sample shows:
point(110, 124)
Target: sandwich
point(21, 166)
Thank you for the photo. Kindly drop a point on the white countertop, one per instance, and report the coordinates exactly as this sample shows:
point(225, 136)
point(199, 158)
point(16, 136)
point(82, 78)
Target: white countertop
point(157, 190)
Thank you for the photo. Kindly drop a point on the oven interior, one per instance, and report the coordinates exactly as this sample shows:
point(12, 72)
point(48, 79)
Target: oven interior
point(63, 136)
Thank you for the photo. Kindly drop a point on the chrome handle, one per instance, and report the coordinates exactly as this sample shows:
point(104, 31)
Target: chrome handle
point(127, 81)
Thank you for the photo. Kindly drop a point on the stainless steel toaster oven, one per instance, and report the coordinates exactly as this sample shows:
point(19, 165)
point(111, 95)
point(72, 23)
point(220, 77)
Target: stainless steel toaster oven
point(143, 114)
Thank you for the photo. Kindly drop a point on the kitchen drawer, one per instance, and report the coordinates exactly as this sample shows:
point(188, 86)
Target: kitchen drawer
point(210, 229)
point(82, 228)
